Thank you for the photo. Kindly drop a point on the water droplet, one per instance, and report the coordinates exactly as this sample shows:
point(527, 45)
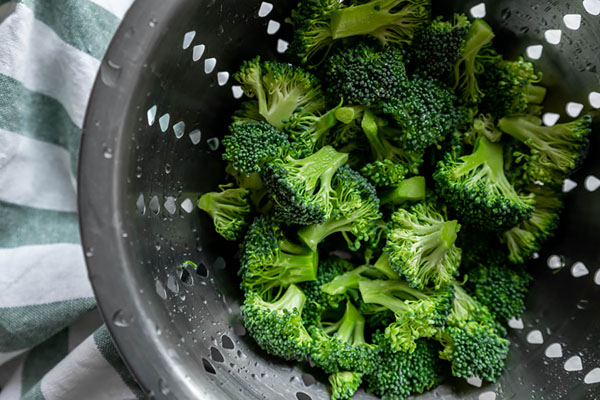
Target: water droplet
point(110, 72)
point(213, 143)
point(152, 23)
point(506, 13)
point(89, 252)
point(122, 319)
point(524, 29)
point(108, 153)
point(583, 304)
point(138, 172)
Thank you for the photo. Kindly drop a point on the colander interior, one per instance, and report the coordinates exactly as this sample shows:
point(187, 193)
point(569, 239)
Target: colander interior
point(151, 147)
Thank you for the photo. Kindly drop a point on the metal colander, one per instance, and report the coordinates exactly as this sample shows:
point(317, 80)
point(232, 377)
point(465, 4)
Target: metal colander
point(151, 146)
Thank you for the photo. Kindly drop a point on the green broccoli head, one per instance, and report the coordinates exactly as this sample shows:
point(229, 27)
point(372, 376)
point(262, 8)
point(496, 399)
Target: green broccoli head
point(510, 87)
point(302, 189)
point(555, 151)
point(477, 188)
point(270, 262)
point(317, 300)
point(384, 173)
point(229, 209)
point(355, 211)
point(401, 374)
point(424, 113)
point(474, 350)
point(344, 384)
point(280, 89)
point(418, 313)
point(319, 23)
point(421, 245)
point(501, 288)
point(251, 144)
point(277, 326)
point(437, 47)
point(341, 346)
point(364, 75)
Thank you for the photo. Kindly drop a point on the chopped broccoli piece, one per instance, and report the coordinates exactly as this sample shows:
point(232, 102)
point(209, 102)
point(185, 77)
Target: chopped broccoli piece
point(344, 384)
point(437, 47)
point(280, 89)
point(341, 346)
point(356, 208)
point(277, 326)
point(418, 313)
point(270, 261)
point(302, 189)
point(421, 246)
point(478, 190)
point(251, 144)
point(403, 373)
point(229, 209)
point(364, 75)
point(409, 190)
point(384, 173)
point(555, 150)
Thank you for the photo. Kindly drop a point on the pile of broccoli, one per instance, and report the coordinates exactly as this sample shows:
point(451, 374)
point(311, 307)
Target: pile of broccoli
point(387, 182)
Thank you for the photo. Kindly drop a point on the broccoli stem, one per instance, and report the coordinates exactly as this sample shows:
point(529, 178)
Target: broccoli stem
point(383, 265)
point(535, 94)
point(346, 281)
point(351, 328)
point(293, 298)
point(320, 167)
point(489, 154)
point(315, 234)
point(366, 18)
point(412, 189)
point(296, 262)
point(348, 114)
point(390, 294)
point(480, 34)
point(371, 130)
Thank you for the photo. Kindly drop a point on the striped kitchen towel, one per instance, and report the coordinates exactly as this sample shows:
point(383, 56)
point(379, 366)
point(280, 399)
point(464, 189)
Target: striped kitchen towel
point(52, 342)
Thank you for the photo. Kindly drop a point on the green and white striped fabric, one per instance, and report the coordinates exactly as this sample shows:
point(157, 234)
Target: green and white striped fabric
point(52, 342)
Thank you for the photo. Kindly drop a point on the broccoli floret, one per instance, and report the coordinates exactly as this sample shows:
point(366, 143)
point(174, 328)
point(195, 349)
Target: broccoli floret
point(384, 173)
point(409, 190)
point(349, 280)
point(436, 48)
point(277, 326)
point(418, 313)
point(471, 340)
point(318, 300)
point(469, 65)
point(229, 209)
point(478, 190)
point(401, 373)
point(524, 240)
point(302, 189)
point(421, 245)
point(270, 261)
point(280, 89)
point(483, 125)
point(502, 289)
point(251, 144)
point(341, 346)
point(510, 87)
point(318, 23)
point(364, 75)
point(424, 113)
point(356, 208)
point(555, 150)
point(344, 384)
point(382, 150)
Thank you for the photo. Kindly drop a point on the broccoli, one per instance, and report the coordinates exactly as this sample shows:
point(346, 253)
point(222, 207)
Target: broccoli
point(270, 261)
point(401, 373)
point(229, 209)
point(384, 173)
point(437, 47)
point(424, 113)
point(356, 208)
point(524, 240)
point(317, 300)
point(469, 65)
point(478, 190)
point(502, 289)
point(421, 245)
point(382, 150)
point(280, 89)
point(277, 326)
point(409, 190)
point(555, 150)
point(319, 23)
point(341, 346)
point(302, 189)
point(344, 384)
point(251, 144)
point(418, 313)
point(482, 125)
point(364, 75)
point(348, 280)
point(509, 88)
point(471, 341)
